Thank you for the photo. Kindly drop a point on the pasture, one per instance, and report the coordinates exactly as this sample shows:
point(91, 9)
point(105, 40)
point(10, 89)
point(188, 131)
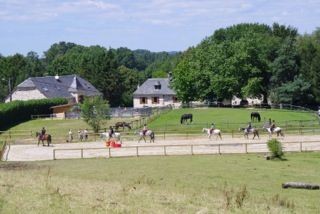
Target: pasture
point(228, 119)
point(176, 184)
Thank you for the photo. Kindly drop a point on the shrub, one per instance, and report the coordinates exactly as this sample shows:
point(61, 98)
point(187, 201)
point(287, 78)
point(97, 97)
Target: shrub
point(275, 148)
point(19, 111)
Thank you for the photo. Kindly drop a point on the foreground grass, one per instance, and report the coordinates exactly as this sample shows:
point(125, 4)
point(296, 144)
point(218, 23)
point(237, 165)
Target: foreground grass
point(187, 184)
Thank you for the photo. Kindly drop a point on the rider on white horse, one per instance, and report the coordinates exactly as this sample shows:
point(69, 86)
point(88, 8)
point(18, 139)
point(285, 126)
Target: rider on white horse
point(249, 127)
point(212, 128)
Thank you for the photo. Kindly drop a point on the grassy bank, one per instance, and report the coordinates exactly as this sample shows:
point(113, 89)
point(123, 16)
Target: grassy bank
point(205, 184)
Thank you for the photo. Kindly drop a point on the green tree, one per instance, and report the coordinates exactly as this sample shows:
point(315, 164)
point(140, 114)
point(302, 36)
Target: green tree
point(94, 111)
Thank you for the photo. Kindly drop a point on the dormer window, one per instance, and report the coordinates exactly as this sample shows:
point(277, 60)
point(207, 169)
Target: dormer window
point(157, 86)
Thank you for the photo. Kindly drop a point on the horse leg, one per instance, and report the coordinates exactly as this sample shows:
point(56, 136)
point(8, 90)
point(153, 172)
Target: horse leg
point(220, 136)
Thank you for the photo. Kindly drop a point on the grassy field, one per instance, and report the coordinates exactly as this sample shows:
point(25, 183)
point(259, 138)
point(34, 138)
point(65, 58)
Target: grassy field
point(226, 119)
point(186, 184)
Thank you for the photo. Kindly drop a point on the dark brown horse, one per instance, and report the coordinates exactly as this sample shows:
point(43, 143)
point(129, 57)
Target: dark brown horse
point(122, 124)
point(46, 137)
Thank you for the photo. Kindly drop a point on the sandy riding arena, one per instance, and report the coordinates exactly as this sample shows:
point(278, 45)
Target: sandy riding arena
point(192, 146)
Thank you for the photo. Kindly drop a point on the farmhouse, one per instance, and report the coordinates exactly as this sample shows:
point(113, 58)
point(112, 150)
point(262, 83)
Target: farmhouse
point(71, 87)
point(155, 92)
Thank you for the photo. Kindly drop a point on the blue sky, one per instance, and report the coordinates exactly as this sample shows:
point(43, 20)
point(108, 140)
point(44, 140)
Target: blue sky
point(156, 25)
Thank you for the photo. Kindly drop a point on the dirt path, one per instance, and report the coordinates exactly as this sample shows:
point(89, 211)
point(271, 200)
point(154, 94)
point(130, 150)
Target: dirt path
point(169, 146)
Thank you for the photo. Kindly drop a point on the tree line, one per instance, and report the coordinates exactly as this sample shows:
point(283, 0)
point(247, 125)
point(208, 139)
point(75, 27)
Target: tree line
point(116, 73)
point(252, 60)
point(247, 60)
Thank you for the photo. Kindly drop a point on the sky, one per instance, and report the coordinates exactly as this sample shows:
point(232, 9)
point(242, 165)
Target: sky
point(155, 25)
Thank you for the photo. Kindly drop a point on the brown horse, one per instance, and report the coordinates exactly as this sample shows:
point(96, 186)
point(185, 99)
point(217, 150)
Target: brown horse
point(46, 137)
point(122, 124)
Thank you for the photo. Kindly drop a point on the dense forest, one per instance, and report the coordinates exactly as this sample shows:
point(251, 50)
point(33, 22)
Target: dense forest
point(247, 60)
point(114, 72)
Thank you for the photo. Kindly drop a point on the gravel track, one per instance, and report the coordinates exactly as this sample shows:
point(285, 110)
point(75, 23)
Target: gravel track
point(170, 146)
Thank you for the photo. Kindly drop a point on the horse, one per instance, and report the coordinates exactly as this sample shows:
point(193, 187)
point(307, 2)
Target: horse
point(105, 135)
point(216, 132)
point(255, 116)
point(253, 131)
point(185, 117)
point(149, 133)
point(122, 124)
point(276, 130)
point(46, 137)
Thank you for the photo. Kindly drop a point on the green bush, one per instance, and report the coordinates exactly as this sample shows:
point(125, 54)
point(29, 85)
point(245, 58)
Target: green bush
point(19, 111)
point(275, 148)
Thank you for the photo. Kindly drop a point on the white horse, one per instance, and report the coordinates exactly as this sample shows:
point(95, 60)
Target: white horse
point(149, 133)
point(216, 132)
point(276, 130)
point(246, 132)
point(105, 135)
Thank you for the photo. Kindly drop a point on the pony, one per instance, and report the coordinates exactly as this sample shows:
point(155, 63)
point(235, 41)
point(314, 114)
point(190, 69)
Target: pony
point(149, 133)
point(216, 132)
point(46, 137)
point(185, 117)
point(253, 131)
point(276, 130)
point(255, 116)
point(122, 124)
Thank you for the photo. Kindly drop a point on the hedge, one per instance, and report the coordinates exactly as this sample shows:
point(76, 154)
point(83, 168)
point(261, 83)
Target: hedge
point(16, 112)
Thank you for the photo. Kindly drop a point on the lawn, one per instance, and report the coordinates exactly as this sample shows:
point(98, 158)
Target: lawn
point(185, 184)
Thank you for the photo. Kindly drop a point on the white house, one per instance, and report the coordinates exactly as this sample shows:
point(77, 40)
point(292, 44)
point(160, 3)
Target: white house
point(155, 92)
point(71, 87)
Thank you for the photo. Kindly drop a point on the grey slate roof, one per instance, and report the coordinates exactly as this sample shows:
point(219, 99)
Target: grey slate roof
point(63, 87)
point(148, 87)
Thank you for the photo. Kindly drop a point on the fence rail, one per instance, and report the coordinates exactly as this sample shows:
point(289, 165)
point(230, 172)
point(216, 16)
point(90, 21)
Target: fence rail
point(191, 149)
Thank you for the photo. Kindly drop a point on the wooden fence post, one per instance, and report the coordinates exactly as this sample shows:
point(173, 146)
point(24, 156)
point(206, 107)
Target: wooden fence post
point(246, 147)
point(300, 146)
point(81, 153)
point(137, 151)
point(191, 149)
point(54, 154)
point(219, 151)
point(164, 150)
point(109, 152)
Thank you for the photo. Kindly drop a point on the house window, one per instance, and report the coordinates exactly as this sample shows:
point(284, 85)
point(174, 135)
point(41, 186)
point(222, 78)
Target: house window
point(157, 87)
point(175, 99)
point(155, 100)
point(143, 100)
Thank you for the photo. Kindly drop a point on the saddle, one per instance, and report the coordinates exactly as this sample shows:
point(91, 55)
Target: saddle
point(211, 131)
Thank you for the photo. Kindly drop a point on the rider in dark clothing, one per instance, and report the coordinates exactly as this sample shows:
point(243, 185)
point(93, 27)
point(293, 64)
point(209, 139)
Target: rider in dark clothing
point(111, 132)
point(43, 132)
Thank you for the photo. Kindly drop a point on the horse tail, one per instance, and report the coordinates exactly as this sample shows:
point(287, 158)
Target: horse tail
point(152, 136)
point(259, 118)
point(190, 117)
point(181, 120)
point(49, 138)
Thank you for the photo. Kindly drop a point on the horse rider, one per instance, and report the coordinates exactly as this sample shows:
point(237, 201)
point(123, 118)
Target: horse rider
point(43, 133)
point(212, 127)
point(249, 127)
point(144, 129)
point(273, 126)
point(111, 132)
